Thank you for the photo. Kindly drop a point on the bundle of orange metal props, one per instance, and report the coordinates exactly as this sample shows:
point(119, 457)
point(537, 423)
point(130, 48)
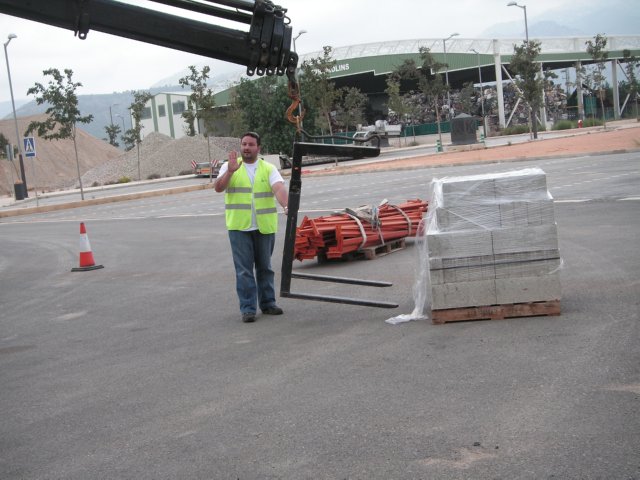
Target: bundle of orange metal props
point(334, 236)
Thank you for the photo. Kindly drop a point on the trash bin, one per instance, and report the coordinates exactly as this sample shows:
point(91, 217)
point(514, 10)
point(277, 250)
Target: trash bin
point(463, 130)
point(20, 191)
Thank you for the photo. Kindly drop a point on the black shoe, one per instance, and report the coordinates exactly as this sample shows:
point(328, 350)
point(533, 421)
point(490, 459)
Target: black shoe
point(275, 310)
point(248, 317)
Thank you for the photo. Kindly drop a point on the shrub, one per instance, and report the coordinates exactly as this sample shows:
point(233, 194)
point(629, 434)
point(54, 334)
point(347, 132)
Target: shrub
point(564, 125)
point(123, 180)
point(516, 130)
point(592, 122)
point(186, 172)
point(95, 184)
point(153, 176)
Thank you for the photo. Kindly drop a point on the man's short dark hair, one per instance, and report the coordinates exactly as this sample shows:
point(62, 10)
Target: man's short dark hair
point(252, 135)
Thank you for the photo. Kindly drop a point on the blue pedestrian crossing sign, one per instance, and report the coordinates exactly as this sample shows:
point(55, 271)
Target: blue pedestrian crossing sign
point(29, 146)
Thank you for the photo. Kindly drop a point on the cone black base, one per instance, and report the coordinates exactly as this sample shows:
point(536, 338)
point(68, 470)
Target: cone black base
point(84, 269)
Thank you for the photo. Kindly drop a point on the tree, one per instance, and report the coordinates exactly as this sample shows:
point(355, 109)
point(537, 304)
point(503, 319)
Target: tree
point(320, 93)
point(201, 105)
point(400, 105)
point(112, 134)
point(428, 77)
point(137, 108)
point(467, 98)
point(597, 78)
point(394, 98)
point(631, 64)
point(201, 100)
point(528, 80)
point(4, 142)
point(260, 105)
point(63, 113)
point(352, 107)
point(129, 139)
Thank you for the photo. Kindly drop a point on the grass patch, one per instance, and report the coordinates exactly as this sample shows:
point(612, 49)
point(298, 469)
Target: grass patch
point(516, 130)
point(564, 125)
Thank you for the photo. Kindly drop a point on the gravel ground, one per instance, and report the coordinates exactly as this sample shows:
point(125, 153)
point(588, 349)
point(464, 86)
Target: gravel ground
point(160, 155)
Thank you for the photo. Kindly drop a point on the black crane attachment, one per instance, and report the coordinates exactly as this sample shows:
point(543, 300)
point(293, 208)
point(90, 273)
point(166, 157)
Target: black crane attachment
point(264, 49)
point(295, 190)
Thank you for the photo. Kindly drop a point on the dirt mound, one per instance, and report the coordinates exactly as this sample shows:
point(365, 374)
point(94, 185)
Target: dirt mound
point(55, 163)
point(100, 163)
point(161, 156)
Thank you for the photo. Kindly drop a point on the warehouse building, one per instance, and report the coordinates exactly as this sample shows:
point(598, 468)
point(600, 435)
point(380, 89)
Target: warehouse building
point(366, 66)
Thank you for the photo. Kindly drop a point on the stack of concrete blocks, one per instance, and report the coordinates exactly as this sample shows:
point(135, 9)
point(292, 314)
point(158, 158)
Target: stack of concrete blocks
point(492, 240)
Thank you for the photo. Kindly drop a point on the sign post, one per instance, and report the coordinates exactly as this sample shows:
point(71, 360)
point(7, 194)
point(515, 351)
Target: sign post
point(29, 146)
point(30, 151)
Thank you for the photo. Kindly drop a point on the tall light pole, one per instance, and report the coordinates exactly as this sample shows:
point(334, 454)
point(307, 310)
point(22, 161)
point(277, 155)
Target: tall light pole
point(301, 32)
point(532, 117)
point(24, 192)
point(484, 128)
point(110, 114)
point(526, 26)
point(123, 129)
point(446, 71)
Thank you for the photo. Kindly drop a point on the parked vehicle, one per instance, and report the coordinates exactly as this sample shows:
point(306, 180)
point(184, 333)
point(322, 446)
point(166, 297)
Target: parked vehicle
point(382, 129)
point(204, 169)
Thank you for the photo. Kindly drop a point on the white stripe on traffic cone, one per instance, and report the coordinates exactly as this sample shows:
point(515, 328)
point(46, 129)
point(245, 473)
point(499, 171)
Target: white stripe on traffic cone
point(86, 255)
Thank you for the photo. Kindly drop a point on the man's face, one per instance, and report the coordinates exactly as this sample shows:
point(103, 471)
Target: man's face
point(249, 148)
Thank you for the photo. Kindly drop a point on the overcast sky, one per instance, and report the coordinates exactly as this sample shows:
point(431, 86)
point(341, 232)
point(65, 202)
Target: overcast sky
point(107, 64)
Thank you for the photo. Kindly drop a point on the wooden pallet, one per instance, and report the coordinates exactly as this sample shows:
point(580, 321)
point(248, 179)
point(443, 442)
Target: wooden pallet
point(496, 312)
point(368, 253)
point(372, 252)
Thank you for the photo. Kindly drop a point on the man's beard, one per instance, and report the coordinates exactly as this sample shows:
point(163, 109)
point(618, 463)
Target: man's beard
point(248, 157)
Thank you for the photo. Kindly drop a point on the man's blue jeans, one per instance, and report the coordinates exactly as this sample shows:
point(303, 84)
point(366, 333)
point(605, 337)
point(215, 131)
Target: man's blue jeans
point(253, 249)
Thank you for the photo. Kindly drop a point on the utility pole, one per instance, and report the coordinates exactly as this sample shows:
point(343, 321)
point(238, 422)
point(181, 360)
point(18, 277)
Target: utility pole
point(20, 188)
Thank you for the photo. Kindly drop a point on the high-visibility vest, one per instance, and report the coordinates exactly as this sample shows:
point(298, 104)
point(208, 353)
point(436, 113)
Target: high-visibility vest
point(240, 194)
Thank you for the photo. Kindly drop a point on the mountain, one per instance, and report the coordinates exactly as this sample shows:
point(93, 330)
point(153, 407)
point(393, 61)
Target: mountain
point(6, 110)
point(615, 17)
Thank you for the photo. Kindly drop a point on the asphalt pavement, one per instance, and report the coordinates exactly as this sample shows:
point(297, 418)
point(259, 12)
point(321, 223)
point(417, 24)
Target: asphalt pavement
point(143, 369)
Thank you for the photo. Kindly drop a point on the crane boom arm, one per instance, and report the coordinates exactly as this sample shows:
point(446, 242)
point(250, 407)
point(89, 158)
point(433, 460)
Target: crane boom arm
point(264, 49)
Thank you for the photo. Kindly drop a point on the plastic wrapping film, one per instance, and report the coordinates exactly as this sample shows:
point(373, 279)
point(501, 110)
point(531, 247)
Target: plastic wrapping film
point(490, 201)
point(421, 286)
point(492, 239)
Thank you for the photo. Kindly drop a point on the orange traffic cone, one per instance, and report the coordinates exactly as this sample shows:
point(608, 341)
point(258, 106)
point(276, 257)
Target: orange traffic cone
point(86, 255)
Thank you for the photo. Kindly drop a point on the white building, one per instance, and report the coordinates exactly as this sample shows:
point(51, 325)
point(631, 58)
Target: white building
point(163, 114)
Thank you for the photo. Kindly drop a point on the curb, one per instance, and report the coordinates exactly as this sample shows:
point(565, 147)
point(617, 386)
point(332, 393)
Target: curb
point(341, 170)
point(98, 201)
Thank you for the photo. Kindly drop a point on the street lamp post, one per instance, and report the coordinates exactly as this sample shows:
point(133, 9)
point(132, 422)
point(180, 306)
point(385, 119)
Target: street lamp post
point(121, 118)
point(123, 129)
point(526, 27)
point(110, 114)
point(526, 36)
point(24, 192)
point(446, 71)
point(301, 32)
point(484, 127)
point(111, 121)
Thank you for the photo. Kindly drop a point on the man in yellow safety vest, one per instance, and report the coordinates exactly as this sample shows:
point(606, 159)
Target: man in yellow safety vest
point(251, 187)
